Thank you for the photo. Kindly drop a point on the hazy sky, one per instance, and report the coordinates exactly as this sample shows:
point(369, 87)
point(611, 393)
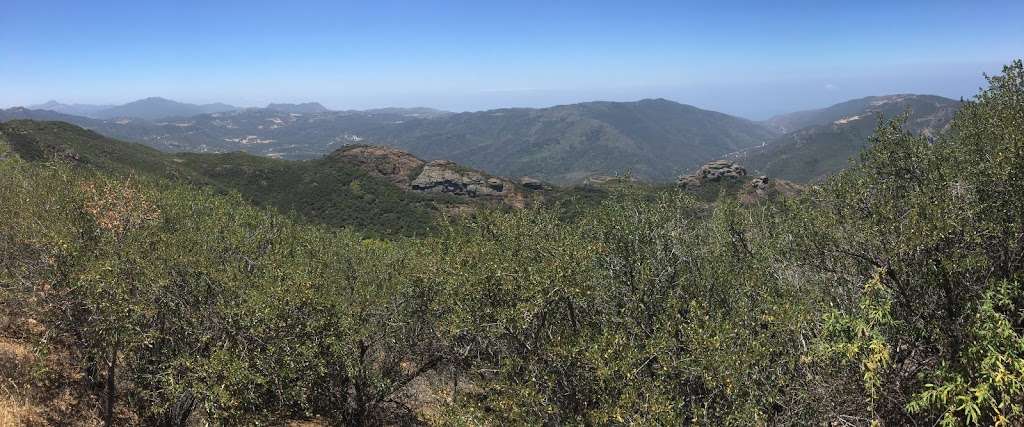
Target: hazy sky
point(752, 59)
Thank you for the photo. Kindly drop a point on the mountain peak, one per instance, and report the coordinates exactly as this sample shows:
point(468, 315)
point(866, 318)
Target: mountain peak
point(302, 108)
point(656, 101)
point(157, 108)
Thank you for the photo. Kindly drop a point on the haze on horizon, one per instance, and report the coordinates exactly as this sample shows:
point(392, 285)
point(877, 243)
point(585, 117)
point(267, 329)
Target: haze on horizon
point(748, 59)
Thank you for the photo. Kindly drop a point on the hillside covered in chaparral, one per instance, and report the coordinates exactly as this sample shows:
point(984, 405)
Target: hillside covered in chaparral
point(602, 263)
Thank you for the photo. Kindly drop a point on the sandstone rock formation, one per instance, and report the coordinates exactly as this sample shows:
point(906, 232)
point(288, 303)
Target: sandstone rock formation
point(763, 187)
point(438, 176)
point(443, 176)
point(715, 171)
point(395, 165)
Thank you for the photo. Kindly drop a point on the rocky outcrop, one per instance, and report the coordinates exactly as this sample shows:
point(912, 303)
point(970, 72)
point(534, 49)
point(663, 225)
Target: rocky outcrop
point(765, 188)
point(437, 176)
point(395, 165)
point(761, 185)
point(443, 176)
point(748, 190)
point(716, 171)
point(607, 179)
point(532, 183)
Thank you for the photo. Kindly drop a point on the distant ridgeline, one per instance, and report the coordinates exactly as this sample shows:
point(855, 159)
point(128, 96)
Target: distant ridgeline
point(819, 143)
point(652, 140)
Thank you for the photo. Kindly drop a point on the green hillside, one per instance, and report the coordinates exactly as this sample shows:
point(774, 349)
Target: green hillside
point(827, 139)
point(321, 191)
point(332, 193)
point(924, 105)
point(45, 141)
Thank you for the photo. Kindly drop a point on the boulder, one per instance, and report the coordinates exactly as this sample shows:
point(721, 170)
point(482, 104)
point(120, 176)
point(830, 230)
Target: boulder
point(761, 185)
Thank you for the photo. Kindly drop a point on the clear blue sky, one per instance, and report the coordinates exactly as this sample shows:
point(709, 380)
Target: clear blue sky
point(746, 58)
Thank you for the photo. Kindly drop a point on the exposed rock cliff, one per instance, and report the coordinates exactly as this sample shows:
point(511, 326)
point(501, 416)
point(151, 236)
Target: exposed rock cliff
point(438, 176)
point(395, 165)
point(723, 174)
point(715, 171)
point(763, 187)
point(442, 176)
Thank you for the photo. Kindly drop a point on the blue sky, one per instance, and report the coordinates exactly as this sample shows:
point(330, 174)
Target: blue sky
point(751, 59)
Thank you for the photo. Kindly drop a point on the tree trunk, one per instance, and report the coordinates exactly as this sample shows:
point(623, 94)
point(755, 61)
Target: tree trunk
point(108, 405)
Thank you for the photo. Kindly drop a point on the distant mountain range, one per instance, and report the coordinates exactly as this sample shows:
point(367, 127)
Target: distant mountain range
point(304, 108)
point(822, 142)
point(257, 131)
point(652, 139)
point(153, 108)
point(161, 109)
point(84, 110)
